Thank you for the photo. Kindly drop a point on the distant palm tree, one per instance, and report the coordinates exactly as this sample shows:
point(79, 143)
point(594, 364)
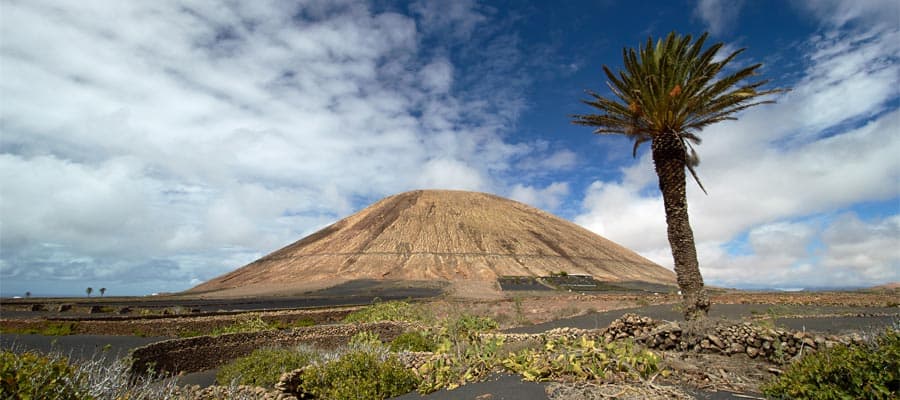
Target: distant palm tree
point(89, 290)
point(666, 95)
point(102, 291)
point(27, 294)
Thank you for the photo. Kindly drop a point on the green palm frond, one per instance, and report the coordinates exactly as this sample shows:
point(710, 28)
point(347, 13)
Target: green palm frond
point(674, 86)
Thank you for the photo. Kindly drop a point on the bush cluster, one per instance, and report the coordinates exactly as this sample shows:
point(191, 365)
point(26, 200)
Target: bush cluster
point(413, 341)
point(247, 324)
point(359, 375)
point(34, 376)
point(859, 371)
point(583, 359)
point(388, 311)
point(263, 367)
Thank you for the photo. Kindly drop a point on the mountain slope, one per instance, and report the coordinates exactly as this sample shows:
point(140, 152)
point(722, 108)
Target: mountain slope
point(448, 236)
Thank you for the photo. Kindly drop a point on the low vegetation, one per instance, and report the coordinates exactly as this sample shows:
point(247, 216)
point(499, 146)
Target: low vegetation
point(568, 359)
point(30, 375)
point(263, 367)
point(359, 374)
point(34, 376)
point(402, 311)
point(46, 329)
point(414, 341)
point(869, 371)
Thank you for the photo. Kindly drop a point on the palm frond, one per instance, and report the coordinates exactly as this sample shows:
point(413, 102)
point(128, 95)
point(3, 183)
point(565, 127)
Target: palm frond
point(674, 86)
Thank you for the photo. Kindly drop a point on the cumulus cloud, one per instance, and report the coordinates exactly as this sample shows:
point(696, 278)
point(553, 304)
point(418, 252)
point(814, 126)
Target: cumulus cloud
point(829, 144)
point(549, 197)
point(838, 13)
point(718, 15)
point(203, 135)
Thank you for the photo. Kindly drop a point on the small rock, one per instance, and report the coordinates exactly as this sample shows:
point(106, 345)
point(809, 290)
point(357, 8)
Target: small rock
point(752, 352)
point(716, 341)
point(64, 308)
point(124, 310)
point(95, 310)
point(38, 307)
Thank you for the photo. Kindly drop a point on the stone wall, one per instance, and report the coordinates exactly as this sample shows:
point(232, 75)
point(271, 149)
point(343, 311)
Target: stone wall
point(208, 352)
point(721, 337)
point(775, 345)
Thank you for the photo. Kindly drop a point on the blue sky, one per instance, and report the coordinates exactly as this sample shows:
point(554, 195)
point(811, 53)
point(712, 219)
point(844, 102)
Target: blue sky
point(150, 146)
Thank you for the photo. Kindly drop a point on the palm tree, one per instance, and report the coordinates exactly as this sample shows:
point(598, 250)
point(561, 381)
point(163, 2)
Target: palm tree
point(27, 294)
point(666, 95)
point(89, 290)
point(102, 291)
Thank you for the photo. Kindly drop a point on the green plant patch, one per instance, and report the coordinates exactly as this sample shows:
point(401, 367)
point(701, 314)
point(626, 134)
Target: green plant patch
point(47, 329)
point(413, 341)
point(359, 375)
point(247, 324)
point(30, 375)
point(263, 367)
point(388, 311)
point(469, 325)
point(583, 359)
point(870, 371)
point(460, 362)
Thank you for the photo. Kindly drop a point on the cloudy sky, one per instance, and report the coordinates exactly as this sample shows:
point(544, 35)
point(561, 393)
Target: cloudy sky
point(147, 146)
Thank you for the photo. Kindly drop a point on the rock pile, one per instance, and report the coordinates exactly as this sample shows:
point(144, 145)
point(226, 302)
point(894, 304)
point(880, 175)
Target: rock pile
point(775, 345)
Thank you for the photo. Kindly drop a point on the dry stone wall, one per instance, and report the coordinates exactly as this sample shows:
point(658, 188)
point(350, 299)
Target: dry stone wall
point(208, 352)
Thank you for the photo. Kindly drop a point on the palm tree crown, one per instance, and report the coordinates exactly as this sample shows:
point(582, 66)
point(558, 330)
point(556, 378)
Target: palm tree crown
point(671, 88)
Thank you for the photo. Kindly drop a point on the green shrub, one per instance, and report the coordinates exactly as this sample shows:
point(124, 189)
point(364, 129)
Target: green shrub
point(247, 324)
point(388, 311)
point(582, 359)
point(263, 367)
point(34, 376)
point(468, 325)
point(46, 329)
point(365, 338)
point(844, 372)
point(413, 341)
point(359, 375)
point(460, 362)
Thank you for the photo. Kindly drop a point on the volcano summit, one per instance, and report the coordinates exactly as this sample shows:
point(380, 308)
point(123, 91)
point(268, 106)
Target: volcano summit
point(440, 235)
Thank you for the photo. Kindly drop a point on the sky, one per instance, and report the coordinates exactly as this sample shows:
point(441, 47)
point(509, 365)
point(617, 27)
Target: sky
point(148, 146)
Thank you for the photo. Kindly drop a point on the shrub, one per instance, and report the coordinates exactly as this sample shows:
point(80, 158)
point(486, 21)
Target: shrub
point(582, 359)
point(248, 324)
point(413, 341)
point(33, 376)
point(365, 339)
point(459, 363)
point(859, 371)
point(388, 311)
point(359, 375)
point(263, 367)
point(467, 325)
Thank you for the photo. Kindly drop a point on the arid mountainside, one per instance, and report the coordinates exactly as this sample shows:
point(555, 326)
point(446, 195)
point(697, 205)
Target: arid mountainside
point(444, 236)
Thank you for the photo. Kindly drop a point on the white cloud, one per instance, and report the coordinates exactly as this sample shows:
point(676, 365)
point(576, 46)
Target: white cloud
point(829, 144)
point(718, 15)
point(548, 198)
point(838, 13)
point(201, 135)
point(449, 174)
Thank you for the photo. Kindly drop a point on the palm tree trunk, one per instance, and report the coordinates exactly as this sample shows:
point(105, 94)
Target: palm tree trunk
point(668, 158)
